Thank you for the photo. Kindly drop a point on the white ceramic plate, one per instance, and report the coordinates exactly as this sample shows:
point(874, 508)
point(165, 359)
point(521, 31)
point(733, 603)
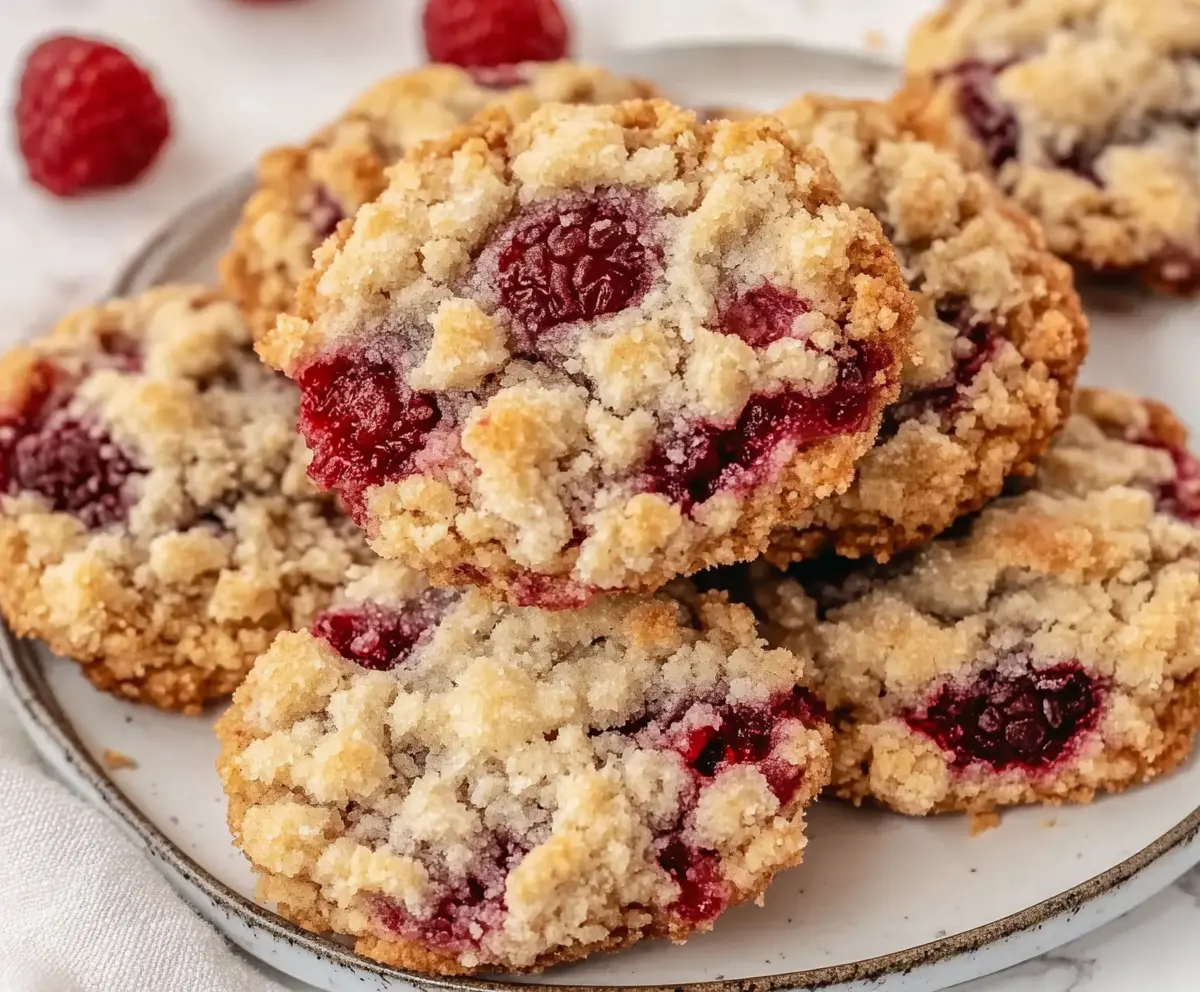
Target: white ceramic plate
point(882, 902)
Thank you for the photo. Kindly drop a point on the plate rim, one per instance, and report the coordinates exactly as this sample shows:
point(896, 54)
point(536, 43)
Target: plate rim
point(21, 669)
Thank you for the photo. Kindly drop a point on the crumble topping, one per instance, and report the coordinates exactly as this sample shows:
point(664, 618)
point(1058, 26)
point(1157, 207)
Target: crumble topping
point(997, 342)
point(543, 333)
point(154, 509)
point(509, 787)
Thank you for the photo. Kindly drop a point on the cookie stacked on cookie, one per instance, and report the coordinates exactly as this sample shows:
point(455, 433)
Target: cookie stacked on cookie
point(559, 362)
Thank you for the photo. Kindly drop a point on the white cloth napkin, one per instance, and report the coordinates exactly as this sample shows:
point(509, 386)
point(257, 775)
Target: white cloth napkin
point(85, 911)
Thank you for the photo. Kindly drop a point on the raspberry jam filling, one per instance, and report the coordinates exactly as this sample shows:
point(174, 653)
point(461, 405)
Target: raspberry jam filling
point(975, 346)
point(692, 465)
point(324, 213)
point(1179, 497)
point(703, 894)
point(762, 315)
point(381, 637)
point(1025, 718)
point(363, 425)
point(550, 592)
point(992, 122)
point(72, 464)
point(746, 734)
point(575, 258)
point(465, 909)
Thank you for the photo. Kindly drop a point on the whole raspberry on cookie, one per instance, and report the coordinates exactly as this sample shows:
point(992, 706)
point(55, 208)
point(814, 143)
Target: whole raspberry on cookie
point(1085, 114)
point(304, 192)
point(594, 350)
point(1046, 651)
point(996, 346)
point(87, 116)
point(494, 32)
point(462, 786)
point(156, 523)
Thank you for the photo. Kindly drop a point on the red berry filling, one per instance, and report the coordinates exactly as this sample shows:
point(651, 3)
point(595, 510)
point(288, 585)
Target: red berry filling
point(72, 464)
point(762, 315)
point(494, 32)
point(76, 468)
point(703, 894)
point(324, 213)
point(704, 458)
point(382, 637)
point(992, 122)
point(1181, 495)
point(746, 735)
point(466, 909)
point(549, 592)
point(1025, 718)
point(363, 425)
point(975, 346)
point(575, 258)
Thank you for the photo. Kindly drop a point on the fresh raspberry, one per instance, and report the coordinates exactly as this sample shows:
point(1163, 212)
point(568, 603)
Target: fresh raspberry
point(494, 32)
point(1026, 718)
point(87, 116)
point(575, 258)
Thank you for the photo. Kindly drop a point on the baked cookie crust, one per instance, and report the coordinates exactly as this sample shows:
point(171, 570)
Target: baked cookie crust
point(1046, 651)
point(305, 191)
point(997, 343)
point(1085, 112)
point(462, 786)
point(595, 349)
point(155, 519)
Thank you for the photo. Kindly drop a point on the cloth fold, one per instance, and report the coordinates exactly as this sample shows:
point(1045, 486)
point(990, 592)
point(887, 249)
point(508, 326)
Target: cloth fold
point(87, 911)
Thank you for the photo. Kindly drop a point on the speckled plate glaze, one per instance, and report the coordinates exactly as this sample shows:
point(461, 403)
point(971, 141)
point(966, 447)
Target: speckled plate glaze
point(882, 903)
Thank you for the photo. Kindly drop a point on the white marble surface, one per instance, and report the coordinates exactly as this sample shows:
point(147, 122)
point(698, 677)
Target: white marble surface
point(241, 76)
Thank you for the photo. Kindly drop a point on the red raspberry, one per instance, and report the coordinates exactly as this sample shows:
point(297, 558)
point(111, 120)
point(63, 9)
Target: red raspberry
point(87, 116)
point(494, 32)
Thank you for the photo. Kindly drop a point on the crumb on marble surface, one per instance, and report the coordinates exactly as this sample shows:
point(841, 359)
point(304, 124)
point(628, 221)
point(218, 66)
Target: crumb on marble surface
point(117, 760)
point(981, 823)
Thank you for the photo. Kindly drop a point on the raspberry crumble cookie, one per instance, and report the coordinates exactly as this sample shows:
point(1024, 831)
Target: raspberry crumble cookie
point(156, 524)
point(1044, 652)
point(1086, 111)
point(996, 345)
point(1117, 439)
point(465, 786)
point(594, 350)
point(304, 192)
